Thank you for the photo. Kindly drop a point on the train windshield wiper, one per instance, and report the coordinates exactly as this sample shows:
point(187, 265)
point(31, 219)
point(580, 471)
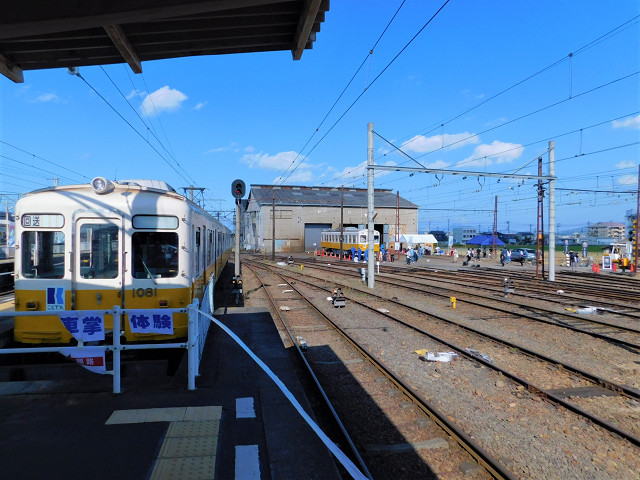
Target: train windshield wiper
point(148, 271)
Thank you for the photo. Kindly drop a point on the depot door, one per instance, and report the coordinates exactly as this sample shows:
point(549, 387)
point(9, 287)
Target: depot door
point(98, 264)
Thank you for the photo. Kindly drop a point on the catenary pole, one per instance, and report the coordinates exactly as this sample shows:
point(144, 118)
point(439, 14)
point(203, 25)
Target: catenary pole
point(552, 211)
point(370, 214)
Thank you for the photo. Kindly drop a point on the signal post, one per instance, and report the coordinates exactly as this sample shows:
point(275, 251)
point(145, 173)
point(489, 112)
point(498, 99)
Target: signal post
point(238, 189)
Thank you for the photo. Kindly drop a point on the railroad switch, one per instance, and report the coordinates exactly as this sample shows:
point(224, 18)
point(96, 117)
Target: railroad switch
point(338, 298)
point(509, 286)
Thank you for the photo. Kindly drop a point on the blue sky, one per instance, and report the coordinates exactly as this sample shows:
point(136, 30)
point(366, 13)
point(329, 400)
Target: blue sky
point(483, 87)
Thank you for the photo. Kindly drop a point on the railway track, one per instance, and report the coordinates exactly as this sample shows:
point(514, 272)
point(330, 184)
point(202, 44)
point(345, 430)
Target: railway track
point(490, 297)
point(537, 377)
point(348, 368)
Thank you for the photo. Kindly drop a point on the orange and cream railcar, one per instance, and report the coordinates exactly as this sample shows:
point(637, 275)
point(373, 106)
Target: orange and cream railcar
point(330, 240)
point(134, 244)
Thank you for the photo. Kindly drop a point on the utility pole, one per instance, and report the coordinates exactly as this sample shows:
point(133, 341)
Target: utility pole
point(397, 239)
point(494, 237)
point(370, 214)
point(273, 228)
point(342, 223)
point(552, 212)
point(540, 226)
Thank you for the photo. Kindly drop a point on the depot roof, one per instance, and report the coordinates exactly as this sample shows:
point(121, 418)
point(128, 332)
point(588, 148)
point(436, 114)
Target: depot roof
point(326, 196)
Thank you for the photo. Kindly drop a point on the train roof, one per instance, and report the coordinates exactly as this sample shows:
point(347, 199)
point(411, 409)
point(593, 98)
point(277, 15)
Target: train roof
point(158, 186)
point(325, 196)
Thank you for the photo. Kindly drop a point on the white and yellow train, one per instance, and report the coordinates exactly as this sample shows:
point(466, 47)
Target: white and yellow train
point(135, 244)
point(330, 240)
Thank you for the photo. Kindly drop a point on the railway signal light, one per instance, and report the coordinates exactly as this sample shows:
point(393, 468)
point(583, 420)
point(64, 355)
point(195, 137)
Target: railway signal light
point(633, 231)
point(238, 189)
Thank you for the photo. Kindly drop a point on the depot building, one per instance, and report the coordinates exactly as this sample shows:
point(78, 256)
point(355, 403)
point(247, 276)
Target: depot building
point(299, 214)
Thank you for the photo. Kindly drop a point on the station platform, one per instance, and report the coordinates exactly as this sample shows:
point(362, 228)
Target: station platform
point(237, 424)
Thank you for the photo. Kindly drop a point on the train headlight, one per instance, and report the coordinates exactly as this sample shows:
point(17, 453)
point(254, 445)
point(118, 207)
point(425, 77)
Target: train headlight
point(101, 185)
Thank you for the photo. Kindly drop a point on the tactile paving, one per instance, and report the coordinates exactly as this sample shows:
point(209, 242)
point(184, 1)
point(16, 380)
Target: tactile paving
point(203, 413)
point(207, 428)
point(188, 447)
point(188, 468)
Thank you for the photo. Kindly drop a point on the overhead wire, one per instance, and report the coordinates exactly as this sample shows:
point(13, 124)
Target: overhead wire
point(371, 50)
point(372, 82)
point(33, 155)
point(171, 155)
point(600, 39)
point(131, 126)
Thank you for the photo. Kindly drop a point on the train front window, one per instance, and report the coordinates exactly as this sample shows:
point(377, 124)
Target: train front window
point(155, 254)
point(42, 254)
point(98, 251)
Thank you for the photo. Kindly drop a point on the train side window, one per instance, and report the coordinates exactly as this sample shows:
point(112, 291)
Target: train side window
point(363, 238)
point(155, 255)
point(99, 251)
point(42, 254)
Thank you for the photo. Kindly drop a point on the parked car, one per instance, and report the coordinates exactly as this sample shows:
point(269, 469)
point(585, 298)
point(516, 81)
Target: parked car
point(523, 255)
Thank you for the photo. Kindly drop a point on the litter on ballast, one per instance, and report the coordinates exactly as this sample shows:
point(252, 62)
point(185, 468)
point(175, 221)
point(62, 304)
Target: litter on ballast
point(330, 299)
point(587, 310)
point(287, 291)
point(476, 353)
point(282, 284)
point(302, 343)
point(560, 291)
point(284, 308)
point(421, 352)
point(283, 264)
point(440, 356)
point(382, 310)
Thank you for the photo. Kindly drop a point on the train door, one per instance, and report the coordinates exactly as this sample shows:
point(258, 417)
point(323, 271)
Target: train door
point(98, 266)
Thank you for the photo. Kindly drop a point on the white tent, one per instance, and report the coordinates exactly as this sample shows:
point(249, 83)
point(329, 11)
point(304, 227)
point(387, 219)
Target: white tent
point(415, 239)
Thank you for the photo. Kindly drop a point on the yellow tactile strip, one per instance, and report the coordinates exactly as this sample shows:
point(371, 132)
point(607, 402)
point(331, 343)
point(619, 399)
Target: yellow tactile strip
point(189, 448)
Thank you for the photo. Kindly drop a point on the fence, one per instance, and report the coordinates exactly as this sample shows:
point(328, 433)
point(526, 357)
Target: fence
point(194, 343)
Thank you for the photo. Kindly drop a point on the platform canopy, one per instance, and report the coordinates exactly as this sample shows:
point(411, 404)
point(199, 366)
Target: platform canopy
point(484, 241)
point(35, 34)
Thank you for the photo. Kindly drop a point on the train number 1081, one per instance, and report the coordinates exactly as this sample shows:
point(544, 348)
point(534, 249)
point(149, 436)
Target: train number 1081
point(144, 292)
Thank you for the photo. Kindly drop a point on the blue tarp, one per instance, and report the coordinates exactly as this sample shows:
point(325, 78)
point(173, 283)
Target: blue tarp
point(484, 240)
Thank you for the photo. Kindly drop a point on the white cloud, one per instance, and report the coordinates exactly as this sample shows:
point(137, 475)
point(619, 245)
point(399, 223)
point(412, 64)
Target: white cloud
point(625, 164)
point(135, 93)
point(629, 180)
point(200, 105)
point(279, 161)
point(163, 99)
point(440, 164)
point(218, 150)
point(422, 144)
point(47, 97)
point(633, 122)
point(498, 152)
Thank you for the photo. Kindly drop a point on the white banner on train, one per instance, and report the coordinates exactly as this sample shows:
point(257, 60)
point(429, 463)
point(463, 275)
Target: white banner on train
point(85, 325)
point(91, 358)
point(150, 321)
